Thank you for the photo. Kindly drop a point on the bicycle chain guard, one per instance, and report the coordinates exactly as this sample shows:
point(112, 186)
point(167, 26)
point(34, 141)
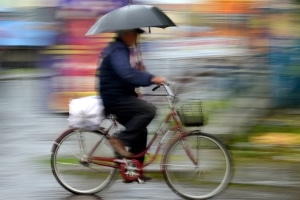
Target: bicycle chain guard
point(131, 170)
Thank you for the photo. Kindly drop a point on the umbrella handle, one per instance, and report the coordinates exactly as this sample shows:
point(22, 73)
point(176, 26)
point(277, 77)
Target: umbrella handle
point(138, 53)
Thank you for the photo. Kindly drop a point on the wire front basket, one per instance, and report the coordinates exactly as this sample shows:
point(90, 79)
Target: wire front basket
point(190, 113)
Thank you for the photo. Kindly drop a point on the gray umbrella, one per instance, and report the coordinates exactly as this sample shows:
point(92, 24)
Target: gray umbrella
point(130, 17)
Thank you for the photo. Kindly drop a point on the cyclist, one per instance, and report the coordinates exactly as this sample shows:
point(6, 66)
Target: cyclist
point(118, 81)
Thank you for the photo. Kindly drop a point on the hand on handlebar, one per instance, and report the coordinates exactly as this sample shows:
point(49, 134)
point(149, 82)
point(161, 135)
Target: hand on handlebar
point(158, 80)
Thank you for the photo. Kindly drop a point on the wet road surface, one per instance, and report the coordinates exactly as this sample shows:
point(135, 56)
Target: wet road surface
point(26, 135)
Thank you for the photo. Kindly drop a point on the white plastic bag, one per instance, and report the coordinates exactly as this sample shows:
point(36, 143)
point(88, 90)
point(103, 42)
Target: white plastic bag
point(86, 112)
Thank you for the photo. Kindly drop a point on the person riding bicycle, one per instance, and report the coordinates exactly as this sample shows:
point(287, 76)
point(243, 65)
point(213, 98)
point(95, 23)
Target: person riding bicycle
point(117, 88)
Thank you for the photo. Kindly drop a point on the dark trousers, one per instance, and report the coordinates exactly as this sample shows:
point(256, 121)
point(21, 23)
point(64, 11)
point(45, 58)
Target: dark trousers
point(135, 115)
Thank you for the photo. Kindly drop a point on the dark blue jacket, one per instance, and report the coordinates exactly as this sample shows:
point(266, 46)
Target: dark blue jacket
point(117, 77)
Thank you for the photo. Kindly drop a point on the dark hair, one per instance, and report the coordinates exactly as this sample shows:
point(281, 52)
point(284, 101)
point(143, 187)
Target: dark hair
point(137, 30)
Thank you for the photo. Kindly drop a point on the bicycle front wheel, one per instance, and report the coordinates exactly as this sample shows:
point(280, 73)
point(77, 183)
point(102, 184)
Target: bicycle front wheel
point(196, 166)
point(70, 161)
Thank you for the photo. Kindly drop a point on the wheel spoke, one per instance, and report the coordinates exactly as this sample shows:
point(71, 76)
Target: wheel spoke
point(69, 151)
point(197, 166)
point(73, 174)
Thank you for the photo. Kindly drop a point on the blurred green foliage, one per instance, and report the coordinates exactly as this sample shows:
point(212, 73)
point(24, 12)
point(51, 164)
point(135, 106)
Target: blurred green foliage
point(297, 1)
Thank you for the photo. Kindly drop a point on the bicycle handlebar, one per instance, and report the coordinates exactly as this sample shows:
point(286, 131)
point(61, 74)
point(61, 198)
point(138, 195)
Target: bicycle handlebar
point(156, 87)
point(167, 88)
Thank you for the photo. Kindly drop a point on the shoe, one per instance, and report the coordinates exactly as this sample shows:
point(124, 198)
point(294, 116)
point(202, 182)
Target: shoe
point(142, 178)
point(119, 147)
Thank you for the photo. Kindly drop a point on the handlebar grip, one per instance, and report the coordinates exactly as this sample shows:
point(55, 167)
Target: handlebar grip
point(155, 88)
point(166, 86)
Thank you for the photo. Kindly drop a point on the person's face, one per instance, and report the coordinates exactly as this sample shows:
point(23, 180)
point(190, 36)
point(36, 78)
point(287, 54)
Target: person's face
point(130, 38)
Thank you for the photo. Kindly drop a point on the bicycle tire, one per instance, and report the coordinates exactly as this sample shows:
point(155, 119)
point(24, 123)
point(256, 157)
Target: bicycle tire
point(68, 169)
point(210, 174)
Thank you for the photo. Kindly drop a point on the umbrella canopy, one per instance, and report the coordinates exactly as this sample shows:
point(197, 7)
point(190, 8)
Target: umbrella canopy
point(131, 17)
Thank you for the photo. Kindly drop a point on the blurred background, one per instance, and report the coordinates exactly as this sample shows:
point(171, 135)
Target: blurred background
point(240, 57)
point(220, 48)
point(233, 54)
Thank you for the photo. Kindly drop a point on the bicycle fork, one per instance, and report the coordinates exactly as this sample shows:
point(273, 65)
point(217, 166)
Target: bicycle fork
point(193, 158)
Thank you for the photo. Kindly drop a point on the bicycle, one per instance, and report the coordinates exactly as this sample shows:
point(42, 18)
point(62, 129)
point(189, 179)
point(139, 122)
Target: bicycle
point(194, 165)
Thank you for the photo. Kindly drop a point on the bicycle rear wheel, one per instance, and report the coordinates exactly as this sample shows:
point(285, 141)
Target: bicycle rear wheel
point(197, 166)
point(70, 165)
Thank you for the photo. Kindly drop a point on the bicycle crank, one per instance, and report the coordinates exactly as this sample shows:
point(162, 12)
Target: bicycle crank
point(130, 170)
